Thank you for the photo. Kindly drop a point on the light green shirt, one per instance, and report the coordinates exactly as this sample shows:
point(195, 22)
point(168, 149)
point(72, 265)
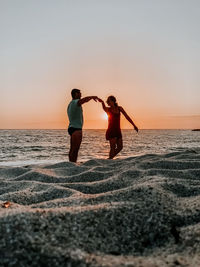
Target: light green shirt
point(75, 114)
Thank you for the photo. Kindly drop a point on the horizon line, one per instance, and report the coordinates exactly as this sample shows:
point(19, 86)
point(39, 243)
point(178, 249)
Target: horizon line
point(98, 129)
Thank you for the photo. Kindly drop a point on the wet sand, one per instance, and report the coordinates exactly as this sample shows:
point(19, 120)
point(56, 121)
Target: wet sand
point(138, 211)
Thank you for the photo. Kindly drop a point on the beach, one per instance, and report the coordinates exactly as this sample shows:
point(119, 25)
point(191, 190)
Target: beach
point(136, 211)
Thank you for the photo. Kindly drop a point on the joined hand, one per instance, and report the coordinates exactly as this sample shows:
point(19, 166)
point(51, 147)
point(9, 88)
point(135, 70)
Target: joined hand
point(100, 100)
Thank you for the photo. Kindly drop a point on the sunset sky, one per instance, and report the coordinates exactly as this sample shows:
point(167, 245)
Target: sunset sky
point(144, 52)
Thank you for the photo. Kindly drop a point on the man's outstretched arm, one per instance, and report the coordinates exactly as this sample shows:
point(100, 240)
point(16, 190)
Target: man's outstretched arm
point(86, 99)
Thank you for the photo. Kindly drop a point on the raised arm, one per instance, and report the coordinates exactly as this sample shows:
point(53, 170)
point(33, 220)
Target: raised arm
point(87, 99)
point(103, 105)
point(128, 118)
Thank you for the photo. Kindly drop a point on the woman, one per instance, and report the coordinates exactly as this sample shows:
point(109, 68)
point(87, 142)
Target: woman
point(113, 133)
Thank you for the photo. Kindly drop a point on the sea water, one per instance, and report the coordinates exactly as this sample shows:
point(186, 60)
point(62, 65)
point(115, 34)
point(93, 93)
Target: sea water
point(23, 147)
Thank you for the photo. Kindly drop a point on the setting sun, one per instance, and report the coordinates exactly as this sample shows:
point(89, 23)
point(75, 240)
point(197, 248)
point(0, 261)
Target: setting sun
point(105, 116)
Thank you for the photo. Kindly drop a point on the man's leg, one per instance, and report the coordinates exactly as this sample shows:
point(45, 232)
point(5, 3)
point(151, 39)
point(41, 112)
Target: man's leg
point(70, 150)
point(75, 143)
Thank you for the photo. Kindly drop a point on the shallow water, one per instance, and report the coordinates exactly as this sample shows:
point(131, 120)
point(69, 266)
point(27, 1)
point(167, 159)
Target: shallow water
point(21, 147)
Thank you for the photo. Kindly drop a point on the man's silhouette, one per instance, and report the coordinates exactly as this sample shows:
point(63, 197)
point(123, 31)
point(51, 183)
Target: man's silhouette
point(75, 115)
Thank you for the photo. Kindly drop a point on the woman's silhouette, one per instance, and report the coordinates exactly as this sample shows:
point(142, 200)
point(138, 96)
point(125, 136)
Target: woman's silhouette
point(113, 133)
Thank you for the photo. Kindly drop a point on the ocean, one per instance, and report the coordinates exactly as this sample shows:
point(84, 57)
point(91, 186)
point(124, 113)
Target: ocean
point(24, 147)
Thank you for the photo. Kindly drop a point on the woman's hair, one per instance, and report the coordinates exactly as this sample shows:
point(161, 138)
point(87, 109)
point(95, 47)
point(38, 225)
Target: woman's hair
point(112, 98)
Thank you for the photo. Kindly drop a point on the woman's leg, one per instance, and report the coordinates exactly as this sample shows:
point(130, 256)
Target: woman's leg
point(113, 142)
point(119, 146)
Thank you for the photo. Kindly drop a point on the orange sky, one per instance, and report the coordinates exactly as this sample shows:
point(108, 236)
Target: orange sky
point(94, 118)
point(130, 49)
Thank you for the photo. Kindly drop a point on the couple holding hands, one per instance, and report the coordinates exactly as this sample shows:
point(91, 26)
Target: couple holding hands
point(113, 133)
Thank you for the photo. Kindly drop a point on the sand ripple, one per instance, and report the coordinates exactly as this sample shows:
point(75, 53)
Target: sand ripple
point(138, 211)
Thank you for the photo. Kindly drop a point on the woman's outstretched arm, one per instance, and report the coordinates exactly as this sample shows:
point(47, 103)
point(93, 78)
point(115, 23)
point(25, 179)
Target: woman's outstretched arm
point(128, 118)
point(103, 105)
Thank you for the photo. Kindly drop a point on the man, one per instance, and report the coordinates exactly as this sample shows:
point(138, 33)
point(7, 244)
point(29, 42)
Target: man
point(75, 115)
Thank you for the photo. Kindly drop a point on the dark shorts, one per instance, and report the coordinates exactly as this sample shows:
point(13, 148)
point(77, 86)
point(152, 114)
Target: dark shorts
point(113, 134)
point(71, 130)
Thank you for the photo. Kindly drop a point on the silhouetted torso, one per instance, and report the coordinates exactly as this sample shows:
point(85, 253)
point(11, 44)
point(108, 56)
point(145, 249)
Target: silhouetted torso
point(113, 130)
